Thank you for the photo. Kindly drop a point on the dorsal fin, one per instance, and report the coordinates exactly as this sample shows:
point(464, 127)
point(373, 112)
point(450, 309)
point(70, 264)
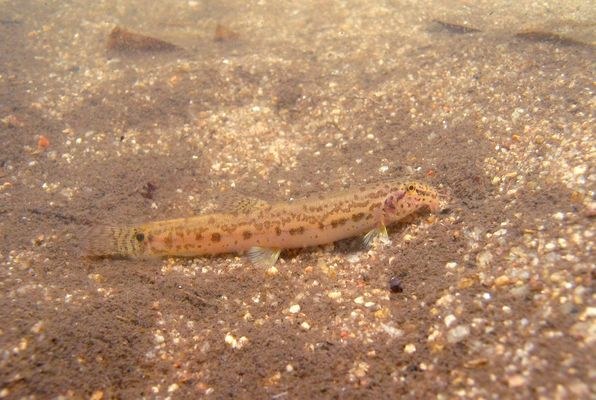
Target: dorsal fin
point(242, 204)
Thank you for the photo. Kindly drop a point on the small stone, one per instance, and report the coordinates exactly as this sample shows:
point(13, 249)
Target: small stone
point(294, 309)
point(502, 280)
point(395, 285)
point(409, 348)
point(335, 294)
point(392, 331)
point(465, 283)
point(289, 368)
point(458, 333)
point(359, 300)
point(580, 170)
point(451, 265)
point(271, 271)
point(520, 291)
point(516, 381)
point(172, 388)
point(359, 369)
point(159, 339)
point(38, 327)
point(97, 395)
point(231, 341)
point(550, 246)
point(484, 258)
point(305, 325)
point(449, 320)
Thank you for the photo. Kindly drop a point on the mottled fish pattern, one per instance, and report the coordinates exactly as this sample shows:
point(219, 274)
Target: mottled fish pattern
point(262, 229)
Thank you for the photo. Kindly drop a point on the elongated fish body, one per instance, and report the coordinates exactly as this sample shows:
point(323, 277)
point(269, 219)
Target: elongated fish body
point(263, 229)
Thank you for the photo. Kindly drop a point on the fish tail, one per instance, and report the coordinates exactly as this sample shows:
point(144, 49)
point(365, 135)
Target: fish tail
point(113, 242)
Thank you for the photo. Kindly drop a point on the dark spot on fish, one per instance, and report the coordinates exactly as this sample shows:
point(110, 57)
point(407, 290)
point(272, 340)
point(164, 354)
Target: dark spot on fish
point(215, 237)
point(168, 241)
point(337, 222)
point(295, 231)
point(140, 236)
point(246, 235)
point(277, 230)
point(321, 225)
point(198, 236)
point(357, 217)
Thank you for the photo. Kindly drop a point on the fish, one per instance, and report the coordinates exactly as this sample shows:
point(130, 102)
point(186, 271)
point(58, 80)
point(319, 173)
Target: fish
point(262, 229)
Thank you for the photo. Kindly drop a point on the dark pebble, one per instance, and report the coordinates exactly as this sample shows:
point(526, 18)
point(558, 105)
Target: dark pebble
point(395, 285)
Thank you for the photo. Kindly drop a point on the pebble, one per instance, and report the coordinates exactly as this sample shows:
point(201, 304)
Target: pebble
point(409, 348)
point(392, 331)
point(395, 285)
point(172, 388)
point(516, 381)
point(458, 333)
point(502, 280)
point(294, 309)
point(449, 320)
point(484, 258)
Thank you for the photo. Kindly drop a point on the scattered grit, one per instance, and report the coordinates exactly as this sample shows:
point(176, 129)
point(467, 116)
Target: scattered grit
point(491, 298)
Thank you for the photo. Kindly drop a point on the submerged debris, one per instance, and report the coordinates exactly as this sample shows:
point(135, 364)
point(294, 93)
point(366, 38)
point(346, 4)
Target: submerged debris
point(453, 28)
point(123, 40)
point(223, 34)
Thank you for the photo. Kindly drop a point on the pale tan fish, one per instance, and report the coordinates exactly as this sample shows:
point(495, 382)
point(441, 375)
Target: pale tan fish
point(263, 230)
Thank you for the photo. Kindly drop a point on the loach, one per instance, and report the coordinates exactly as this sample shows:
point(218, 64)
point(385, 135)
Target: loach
point(264, 229)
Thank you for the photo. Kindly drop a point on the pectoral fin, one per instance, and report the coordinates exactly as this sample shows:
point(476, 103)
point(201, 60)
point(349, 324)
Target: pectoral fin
point(263, 256)
point(380, 231)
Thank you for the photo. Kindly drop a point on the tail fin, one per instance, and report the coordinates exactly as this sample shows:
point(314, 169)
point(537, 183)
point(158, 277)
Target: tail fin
point(112, 242)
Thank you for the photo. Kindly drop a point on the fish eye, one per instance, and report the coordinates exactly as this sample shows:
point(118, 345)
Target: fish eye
point(140, 237)
point(411, 187)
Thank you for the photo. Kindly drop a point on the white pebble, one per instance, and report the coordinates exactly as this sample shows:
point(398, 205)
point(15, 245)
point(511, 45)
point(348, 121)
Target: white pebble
point(449, 320)
point(392, 331)
point(410, 348)
point(173, 387)
point(294, 308)
point(458, 333)
point(579, 170)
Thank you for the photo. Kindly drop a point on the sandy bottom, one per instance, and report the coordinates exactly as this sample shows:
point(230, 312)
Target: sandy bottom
point(492, 298)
